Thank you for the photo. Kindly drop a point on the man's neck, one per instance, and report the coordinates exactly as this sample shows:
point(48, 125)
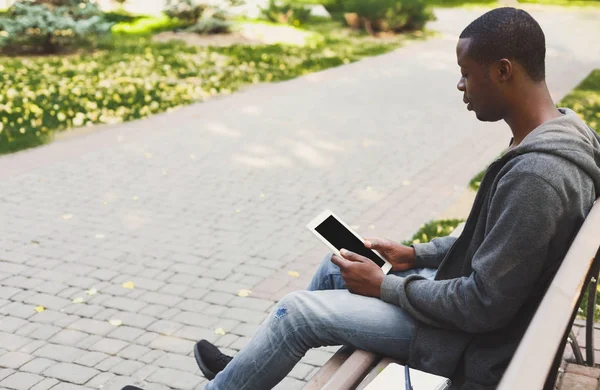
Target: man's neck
point(530, 111)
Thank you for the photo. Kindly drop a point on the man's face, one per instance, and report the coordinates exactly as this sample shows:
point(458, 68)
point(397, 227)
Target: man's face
point(481, 92)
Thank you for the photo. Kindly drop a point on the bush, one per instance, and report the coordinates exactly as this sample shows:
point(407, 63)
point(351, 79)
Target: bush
point(212, 21)
point(50, 28)
point(188, 11)
point(433, 229)
point(286, 13)
point(115, 17)
point(389, 15)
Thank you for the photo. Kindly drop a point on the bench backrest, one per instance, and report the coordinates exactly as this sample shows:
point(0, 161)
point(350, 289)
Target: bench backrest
point(545, 335)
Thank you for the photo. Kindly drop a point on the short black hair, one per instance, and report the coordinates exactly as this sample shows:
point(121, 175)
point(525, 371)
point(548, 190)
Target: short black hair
point(508, 33)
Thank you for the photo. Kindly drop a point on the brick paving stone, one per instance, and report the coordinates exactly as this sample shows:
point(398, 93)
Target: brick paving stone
point(69, 386)
point(26, 329)
point(5, 372)
point(109, 363)
point(144, 372)
point(20, 381)
point(14, 359)
point(11, 324)
point(126, 333)
point(571, 381)
point(12, 342)
point(61, 353)
point(175, 378)
point(37, 365)
point(151, 356)
point(33, 346)
point(72, 373)
point(45, 384)
point(127, 367)
point(172, 344)
point(301, 371)
point(100, 380)
point(165, 327)
point(100, 328)
point(133, 351)
point(177, 361)
point(195, 333)
point(109, 346)
point(68, 337)
point(91, 359)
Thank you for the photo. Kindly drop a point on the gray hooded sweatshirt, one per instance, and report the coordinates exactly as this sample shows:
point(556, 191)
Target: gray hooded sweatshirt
point(530, 205)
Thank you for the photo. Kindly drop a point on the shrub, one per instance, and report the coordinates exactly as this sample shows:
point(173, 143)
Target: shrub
point(287, 13)
point(120, 16)
point(212, 21)
point(433, 229)
point(389, 15)
point(50, 28)
point(188, 11)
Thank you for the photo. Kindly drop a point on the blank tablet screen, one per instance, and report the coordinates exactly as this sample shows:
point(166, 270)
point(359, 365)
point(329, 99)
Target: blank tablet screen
point(340, 237)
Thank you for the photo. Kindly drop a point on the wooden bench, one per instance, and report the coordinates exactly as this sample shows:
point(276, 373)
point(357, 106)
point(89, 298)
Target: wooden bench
point(538, 357)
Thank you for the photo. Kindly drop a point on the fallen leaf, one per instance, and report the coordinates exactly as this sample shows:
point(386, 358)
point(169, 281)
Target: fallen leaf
point(40, 309)
point(34, 242)
point(262, 195)
point(92, 291)
point(244, 293)
point(369, 188)
point(135, 197)
point(164, 172)
point(115, 322)
point(99, 235)
point(220, 331)
point(129, 285)
point(66, 217)
point(371, 226)
point(78, 300)
point(192, 157)
point(293, 273)
point(406, 183)
point(148, 155)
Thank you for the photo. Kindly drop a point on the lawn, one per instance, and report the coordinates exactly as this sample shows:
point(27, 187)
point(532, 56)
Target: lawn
point(131, 77)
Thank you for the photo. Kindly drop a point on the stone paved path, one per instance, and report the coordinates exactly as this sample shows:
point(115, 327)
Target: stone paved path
point(194, 205)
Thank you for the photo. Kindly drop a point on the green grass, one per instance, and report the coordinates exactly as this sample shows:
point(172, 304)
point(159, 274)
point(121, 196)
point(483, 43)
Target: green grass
point(132, 77)
point(146, 26)
point(585, 100)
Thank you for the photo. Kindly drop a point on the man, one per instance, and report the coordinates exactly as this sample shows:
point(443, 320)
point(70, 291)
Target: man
point(453, 307)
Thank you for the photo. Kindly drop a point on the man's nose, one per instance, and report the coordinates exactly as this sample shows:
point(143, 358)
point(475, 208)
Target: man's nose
point(461, 85)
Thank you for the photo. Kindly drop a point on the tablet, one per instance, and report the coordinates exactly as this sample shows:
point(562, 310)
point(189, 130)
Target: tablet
point(337, 235)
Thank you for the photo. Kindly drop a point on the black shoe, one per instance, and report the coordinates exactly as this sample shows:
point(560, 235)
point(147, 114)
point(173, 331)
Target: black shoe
point(210, 360)
point(129, 387)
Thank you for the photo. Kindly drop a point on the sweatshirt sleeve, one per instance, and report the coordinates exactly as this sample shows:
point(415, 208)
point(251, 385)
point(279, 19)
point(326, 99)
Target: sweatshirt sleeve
point(523, 217)
point(431, 254)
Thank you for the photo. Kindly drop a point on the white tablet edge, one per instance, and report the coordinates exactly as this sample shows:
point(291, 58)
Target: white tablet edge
point(323, 216)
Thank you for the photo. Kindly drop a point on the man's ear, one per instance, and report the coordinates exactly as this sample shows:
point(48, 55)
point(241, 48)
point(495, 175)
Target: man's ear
point(505, 69)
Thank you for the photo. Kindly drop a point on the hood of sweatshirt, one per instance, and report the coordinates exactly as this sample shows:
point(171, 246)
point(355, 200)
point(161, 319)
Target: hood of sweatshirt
point(568, 137)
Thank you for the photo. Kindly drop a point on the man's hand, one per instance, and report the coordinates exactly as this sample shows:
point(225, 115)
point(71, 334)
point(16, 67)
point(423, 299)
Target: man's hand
point(362, 276)
point(401, 257)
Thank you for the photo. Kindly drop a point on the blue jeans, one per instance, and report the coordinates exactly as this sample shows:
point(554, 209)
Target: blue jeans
point(325, 315)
